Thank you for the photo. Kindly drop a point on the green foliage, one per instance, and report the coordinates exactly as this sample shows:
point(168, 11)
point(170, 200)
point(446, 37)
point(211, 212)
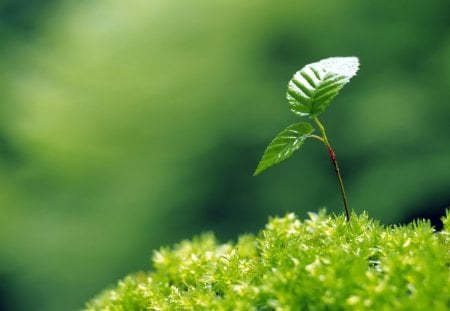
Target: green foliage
point(284, 145)
point(99, 98)
point(309, 93)
point(314, 86)
point(322, 263)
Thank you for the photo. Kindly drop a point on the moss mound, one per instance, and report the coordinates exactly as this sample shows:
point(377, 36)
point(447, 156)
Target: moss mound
point(322, 263)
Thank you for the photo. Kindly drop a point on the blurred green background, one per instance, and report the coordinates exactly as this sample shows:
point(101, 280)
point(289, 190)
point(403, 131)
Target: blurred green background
point(127, 125)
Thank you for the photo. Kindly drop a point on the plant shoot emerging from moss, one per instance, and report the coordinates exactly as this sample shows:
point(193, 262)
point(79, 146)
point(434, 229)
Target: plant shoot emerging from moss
point(309, 93)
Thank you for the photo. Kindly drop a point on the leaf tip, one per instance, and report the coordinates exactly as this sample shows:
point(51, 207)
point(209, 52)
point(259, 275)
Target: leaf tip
point(346, 66)
point(258, 170)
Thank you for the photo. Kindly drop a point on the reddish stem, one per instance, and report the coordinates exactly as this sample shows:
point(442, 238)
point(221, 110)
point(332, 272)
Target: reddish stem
point(341, 184)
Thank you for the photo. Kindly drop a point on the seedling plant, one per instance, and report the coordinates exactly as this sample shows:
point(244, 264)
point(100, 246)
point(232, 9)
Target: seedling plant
point(309, 93)
point(317, 264)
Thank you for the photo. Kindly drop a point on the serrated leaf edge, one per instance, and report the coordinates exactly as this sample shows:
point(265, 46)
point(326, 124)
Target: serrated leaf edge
point(304, 89)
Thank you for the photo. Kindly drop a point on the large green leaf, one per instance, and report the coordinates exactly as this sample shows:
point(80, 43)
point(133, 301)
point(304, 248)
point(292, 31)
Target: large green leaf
point(284, 145)
point(314, 86)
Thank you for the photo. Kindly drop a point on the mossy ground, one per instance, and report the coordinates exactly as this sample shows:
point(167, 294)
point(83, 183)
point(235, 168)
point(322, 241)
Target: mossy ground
point(322, 263)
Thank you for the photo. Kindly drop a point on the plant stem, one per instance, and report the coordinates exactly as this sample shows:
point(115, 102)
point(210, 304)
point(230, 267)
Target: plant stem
point(335, 164)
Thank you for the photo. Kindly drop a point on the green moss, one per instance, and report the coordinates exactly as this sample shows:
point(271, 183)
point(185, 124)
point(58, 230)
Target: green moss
point(322, 263)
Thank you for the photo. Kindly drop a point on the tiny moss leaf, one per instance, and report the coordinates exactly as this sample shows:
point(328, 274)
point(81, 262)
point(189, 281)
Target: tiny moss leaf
point(322, 263)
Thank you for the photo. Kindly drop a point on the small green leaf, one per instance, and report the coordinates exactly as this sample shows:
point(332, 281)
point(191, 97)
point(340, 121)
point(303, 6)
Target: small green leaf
point(314, 86)
point(284, 145)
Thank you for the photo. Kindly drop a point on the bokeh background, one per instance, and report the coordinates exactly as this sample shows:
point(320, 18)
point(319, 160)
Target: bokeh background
point(127, 125)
